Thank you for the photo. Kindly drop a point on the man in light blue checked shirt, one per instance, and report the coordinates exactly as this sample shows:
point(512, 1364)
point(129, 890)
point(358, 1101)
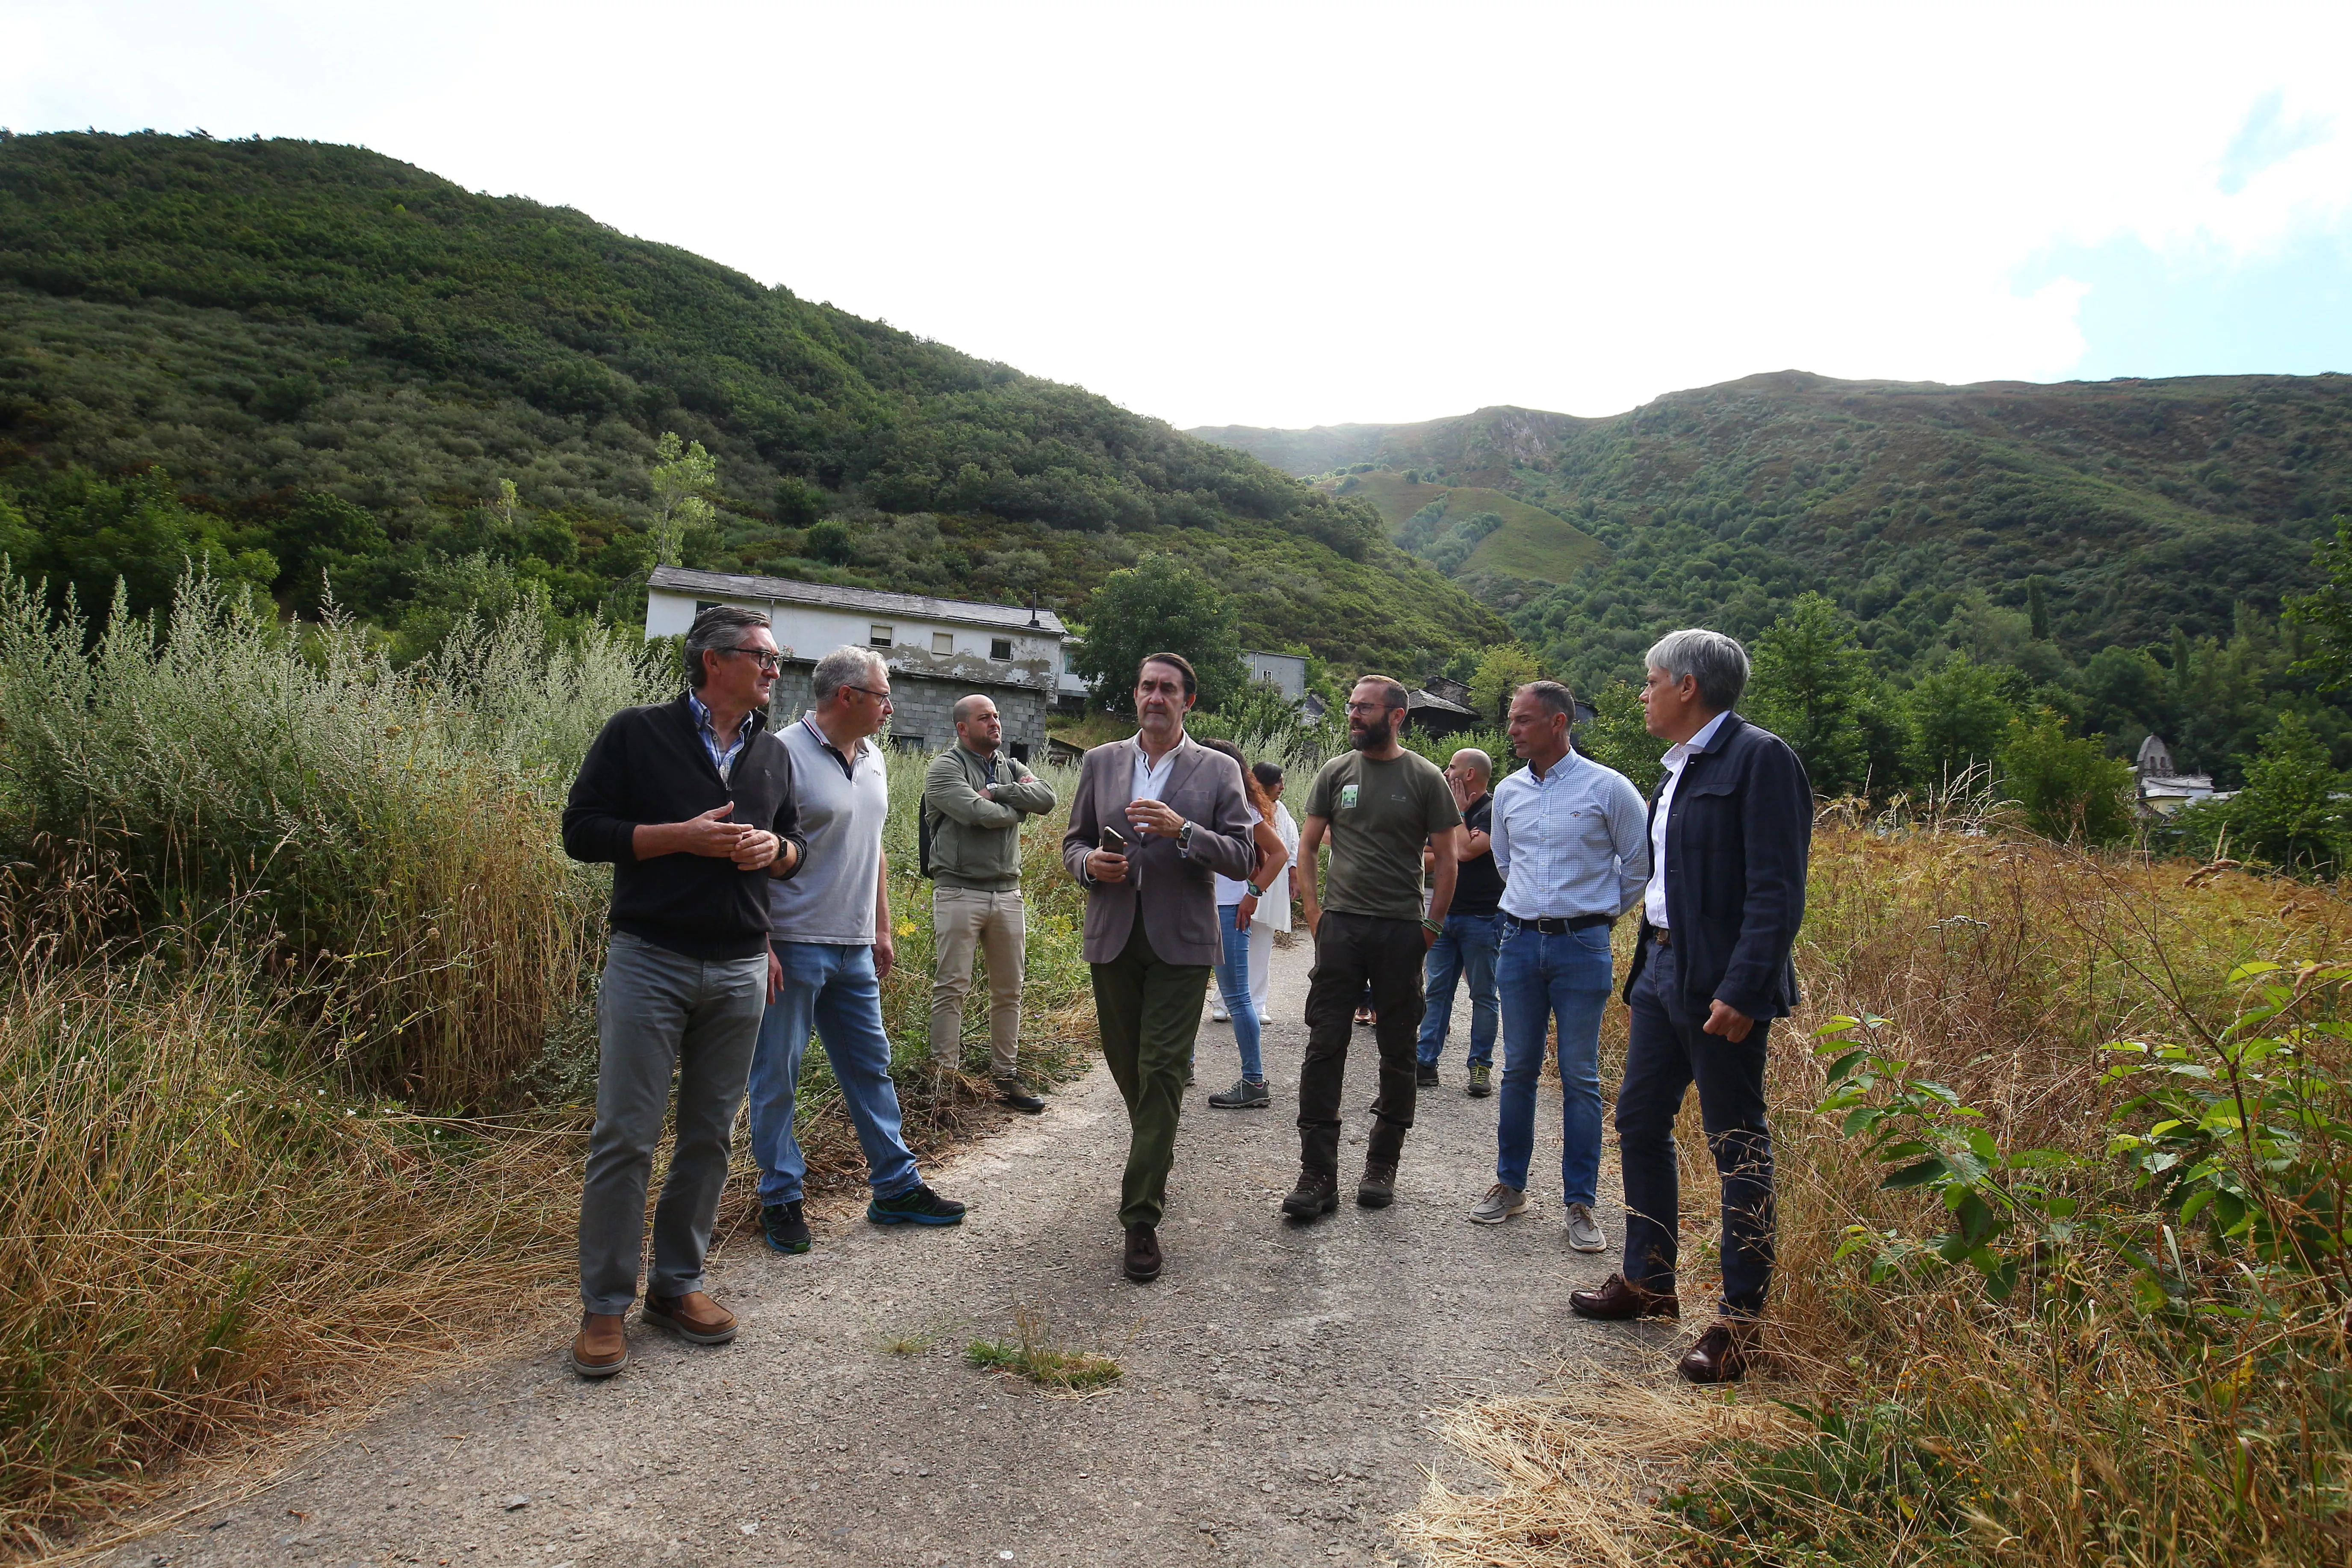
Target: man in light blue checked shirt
point(1571, 839)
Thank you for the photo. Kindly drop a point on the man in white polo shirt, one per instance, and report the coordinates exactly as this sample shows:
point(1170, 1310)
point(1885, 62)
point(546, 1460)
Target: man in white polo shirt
point(829, 947)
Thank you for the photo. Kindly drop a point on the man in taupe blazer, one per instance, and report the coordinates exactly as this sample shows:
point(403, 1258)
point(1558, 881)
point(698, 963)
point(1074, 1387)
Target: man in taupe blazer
point(1152, 818)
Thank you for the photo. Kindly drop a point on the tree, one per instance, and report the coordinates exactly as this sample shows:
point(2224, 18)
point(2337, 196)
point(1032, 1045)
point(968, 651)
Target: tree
point(2327, 614)
point(799, 504)
point(1810, 685)
point(2292, 812)
point(2071, 789)
point(1503, 671)
point(1158, 604)
point(680, 475)
point(1957, 716)
point(2037, 610)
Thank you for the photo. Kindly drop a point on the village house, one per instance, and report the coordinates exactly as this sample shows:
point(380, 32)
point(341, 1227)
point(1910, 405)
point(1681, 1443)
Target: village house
point(937, 649)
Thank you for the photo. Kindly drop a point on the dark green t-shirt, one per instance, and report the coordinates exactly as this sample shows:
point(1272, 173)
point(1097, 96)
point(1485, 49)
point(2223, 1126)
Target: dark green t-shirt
point(1379, 813)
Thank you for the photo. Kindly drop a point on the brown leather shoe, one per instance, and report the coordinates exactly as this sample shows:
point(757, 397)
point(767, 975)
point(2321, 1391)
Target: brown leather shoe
point(1619, 1299)
point(1722, 1353)
point(602, 1347)
point(1142, 1262)
point(693, 1317)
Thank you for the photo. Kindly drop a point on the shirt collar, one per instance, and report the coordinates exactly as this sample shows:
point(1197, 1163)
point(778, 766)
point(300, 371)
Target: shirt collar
point(848, 758)
point(1683, 750)
point(701, 712)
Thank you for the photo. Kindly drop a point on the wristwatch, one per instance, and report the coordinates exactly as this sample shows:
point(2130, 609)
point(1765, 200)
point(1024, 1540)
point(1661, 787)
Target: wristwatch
point(1184, 838)
point(1255, 890)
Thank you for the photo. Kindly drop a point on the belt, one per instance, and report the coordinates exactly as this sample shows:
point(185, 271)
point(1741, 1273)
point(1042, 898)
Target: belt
point(1556, 925)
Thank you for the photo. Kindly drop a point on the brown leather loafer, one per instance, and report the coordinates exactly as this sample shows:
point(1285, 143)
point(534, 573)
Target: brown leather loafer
point(602, 1347)
point(1722, 1353)
point(693, 1317)
point(1141, 1263)
point(1619, 1299)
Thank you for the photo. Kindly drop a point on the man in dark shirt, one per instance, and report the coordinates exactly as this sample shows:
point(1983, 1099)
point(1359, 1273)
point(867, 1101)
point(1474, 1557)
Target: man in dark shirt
point(692, 802)
point(1473, 931)
point(1380, 806)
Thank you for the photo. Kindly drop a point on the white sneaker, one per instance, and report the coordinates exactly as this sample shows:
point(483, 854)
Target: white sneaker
point(1583, 1232)
point(1499, 1205)
point(1217, 1013)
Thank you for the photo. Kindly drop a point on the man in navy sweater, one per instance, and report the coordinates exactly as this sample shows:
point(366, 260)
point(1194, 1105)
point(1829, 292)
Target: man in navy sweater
point(693, 803)
point(1731, 827)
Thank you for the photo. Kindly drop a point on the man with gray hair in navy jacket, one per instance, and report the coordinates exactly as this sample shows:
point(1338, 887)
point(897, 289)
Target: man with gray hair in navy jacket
point(1731, 827)
point(693, 803)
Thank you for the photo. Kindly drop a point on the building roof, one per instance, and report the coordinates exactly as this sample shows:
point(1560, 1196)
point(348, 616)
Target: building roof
point(1418, 700)
point(834, 596)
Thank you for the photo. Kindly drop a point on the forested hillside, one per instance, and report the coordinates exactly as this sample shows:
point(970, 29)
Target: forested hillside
point(289, 359)
point(2124, 546)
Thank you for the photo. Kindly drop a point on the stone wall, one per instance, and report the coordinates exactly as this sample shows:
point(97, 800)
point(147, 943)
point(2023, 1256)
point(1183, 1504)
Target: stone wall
point(922, 708)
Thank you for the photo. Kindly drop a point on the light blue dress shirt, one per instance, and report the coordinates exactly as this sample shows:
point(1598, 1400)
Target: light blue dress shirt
point(1572, 843)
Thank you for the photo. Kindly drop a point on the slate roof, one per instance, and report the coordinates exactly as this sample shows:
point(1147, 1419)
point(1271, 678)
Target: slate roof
point(832, 596)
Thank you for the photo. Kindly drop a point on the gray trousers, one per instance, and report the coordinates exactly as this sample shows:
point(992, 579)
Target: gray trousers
point(656, 1012)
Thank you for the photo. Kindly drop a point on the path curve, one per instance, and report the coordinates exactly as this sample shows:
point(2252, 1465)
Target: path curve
point(1276, 1406)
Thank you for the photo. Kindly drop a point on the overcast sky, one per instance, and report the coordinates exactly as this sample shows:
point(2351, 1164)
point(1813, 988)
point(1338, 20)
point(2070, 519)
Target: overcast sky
point(1291, 215)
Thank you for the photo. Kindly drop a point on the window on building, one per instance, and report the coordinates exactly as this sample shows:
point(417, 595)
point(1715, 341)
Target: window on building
point(878, 636)
point(943, 642)
point(1020, 750)
point(1000, 649)
point(702, 604)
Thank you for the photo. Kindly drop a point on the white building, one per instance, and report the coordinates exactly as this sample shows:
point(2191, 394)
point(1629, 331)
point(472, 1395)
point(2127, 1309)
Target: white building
point(937, 649)
point(2163, 787)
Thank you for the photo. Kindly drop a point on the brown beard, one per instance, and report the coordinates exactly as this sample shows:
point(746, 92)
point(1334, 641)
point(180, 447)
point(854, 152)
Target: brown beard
point(1372, 737)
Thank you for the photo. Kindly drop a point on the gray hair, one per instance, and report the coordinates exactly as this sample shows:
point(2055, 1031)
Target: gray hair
point(847, 664)
point(1552, 696)
point(715, 630)
point(1716, 662)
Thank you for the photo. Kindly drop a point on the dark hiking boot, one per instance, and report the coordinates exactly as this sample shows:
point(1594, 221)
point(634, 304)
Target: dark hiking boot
point(1424, 1075)
point(1317, 1195)
point(1376, 1188)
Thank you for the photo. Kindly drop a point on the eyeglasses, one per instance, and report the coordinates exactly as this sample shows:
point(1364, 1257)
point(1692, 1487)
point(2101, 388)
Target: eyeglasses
point(769, 662)
point(881, 697)
point(1368, 707)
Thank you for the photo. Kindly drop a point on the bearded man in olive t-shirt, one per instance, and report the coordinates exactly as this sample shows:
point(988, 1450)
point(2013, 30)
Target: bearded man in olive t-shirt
point(1379, 805)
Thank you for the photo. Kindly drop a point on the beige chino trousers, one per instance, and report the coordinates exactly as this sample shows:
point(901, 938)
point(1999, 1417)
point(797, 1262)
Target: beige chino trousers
point(997, 924)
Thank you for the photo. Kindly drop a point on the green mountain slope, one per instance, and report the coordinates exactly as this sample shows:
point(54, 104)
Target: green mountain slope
point(337, 357)
point(1527, 543)
point(2146, 507)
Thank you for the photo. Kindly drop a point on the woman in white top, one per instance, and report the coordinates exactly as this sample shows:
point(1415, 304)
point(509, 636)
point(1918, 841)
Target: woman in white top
point(1238, 906)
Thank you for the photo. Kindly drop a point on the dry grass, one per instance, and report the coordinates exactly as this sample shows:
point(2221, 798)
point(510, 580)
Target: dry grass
point(1926, 1423)
point(195, 1246)
point(1579, 1471)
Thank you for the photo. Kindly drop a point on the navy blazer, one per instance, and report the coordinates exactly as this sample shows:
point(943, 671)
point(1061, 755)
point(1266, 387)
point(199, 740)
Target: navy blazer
point(1738, 838)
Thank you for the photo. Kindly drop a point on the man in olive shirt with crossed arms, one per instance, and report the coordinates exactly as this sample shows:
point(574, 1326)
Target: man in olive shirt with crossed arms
point(1379, 803)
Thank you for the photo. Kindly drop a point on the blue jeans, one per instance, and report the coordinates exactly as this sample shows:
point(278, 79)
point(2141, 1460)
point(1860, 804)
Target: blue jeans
point(831, 988)
point(1542, 977)
point(1467, 949)
point(1233, 986)
point(1668, 1050)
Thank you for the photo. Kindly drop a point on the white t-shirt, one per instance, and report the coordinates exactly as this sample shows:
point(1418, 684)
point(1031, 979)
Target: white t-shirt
point(1230, 890)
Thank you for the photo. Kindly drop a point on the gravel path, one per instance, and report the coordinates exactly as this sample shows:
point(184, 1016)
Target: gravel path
point(1275, 1407)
